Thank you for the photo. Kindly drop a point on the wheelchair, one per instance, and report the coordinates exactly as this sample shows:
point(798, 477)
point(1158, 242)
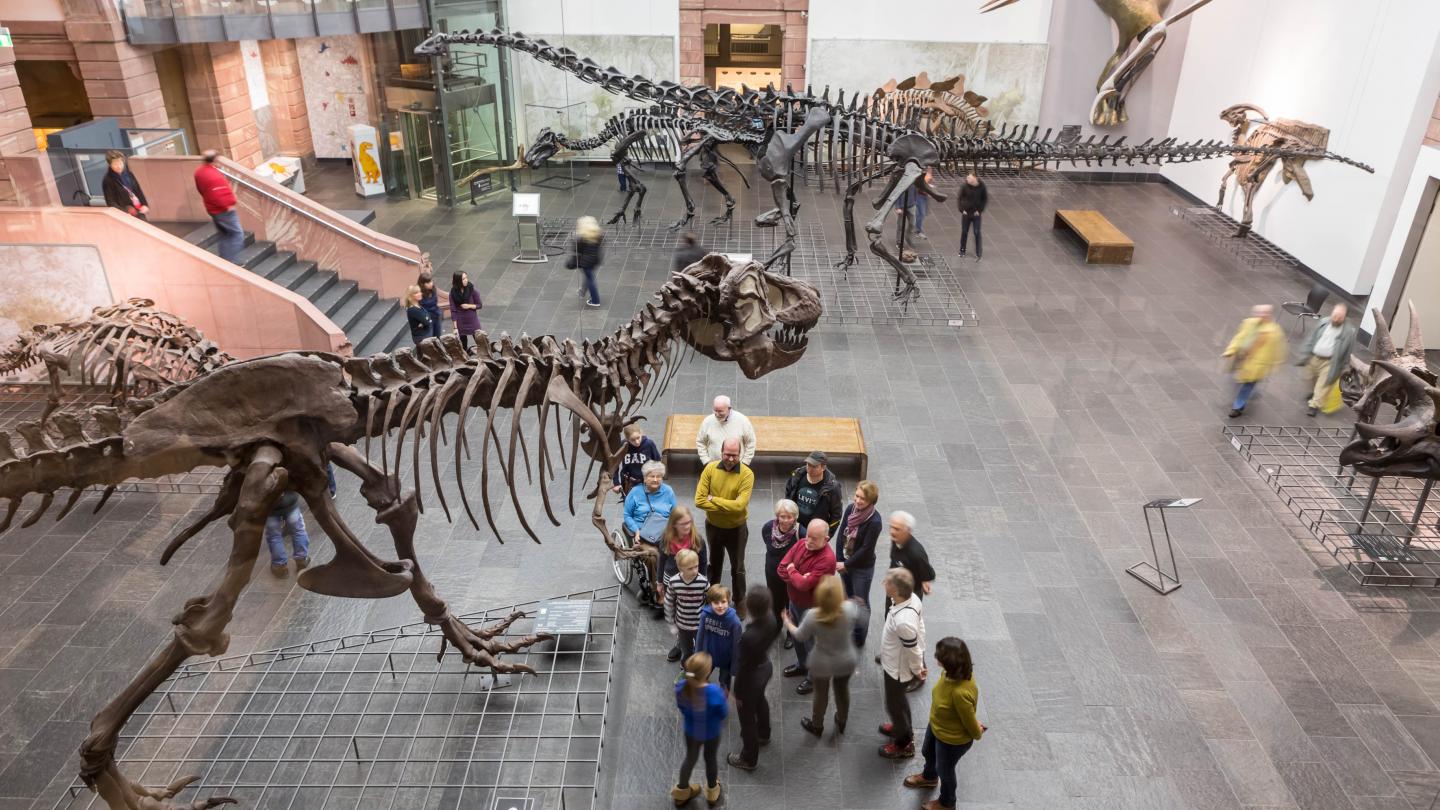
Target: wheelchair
point(634, 569)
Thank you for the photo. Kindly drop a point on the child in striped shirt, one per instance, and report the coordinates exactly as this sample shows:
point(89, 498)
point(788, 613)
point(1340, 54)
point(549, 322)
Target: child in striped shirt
point(684, 598)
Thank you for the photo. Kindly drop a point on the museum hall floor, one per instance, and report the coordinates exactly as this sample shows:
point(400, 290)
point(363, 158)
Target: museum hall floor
point(1025, 446)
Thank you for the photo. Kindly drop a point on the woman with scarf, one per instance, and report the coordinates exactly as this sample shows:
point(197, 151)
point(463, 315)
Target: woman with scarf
point(860, 526)
point(465, 307)
point(121, 188)
point(779, 535)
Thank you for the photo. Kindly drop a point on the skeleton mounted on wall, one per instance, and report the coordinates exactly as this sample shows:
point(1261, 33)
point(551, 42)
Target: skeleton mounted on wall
point(229, 417)
point(1140, 28)
point(1251, 170)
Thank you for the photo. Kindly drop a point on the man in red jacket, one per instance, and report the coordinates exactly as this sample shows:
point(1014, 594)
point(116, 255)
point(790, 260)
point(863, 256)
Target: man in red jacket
point(804, 565)
point(220, 205)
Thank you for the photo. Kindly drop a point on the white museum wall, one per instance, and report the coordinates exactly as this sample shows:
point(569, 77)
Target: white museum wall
point(930, 20)
point(1427, 170)
point(636, 36)
point(1369, 72)
point(1082, 38)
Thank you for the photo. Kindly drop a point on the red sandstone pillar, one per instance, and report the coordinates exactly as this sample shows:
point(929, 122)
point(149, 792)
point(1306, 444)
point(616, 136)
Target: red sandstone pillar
point(287, 96)
point(220, 101)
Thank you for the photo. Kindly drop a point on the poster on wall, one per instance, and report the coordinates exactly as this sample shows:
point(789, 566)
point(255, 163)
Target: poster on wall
point(333, 72)
point(365, 147)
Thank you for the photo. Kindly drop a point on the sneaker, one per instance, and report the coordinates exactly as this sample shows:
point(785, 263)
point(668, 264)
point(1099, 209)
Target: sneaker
point(280, 570)
point(735, 761)
point(1311, 411)
point(301, 563)
point(921, 234)
point(674, 655)
point(806, 687)
point(887, 729)
point(789, 642)
point(592, 303)
point(892, 751)
point(793, 671)
point(1234, 412)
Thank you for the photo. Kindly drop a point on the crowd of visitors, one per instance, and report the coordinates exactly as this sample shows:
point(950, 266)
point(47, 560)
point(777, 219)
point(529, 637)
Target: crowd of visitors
point(820, 559)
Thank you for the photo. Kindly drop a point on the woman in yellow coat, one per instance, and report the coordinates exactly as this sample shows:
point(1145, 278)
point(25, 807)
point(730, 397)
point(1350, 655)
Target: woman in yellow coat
point(1257, 348)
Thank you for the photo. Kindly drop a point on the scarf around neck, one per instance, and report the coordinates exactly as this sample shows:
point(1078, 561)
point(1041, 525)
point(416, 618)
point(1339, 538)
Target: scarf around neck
point(853, 523)
point(782, 540)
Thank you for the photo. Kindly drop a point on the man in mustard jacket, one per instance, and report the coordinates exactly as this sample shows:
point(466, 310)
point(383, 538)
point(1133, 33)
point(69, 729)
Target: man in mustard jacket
point(1257, 348)
point(724, 494)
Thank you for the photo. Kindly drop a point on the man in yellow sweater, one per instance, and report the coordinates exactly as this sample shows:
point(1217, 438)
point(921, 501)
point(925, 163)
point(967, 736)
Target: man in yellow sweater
point(724, 494)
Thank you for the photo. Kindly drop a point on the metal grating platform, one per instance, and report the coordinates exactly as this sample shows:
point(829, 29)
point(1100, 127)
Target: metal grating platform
point(1396, 542)
point(1220, 228)
point(371, 720)
point(863, 294)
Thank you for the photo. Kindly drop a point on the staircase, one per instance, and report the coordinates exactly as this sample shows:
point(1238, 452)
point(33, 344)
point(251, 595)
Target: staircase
point(373, 324)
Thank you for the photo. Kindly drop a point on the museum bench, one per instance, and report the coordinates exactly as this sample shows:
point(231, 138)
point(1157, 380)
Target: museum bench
point(838, 437)
point(1104, 243)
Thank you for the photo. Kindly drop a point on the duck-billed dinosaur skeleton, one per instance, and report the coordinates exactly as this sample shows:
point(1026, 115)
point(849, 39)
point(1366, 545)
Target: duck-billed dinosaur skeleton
point(860, 142)
point(230, 417)
point(132, 348)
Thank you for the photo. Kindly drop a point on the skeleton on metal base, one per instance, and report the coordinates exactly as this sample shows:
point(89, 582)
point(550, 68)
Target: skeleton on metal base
point(231, 417)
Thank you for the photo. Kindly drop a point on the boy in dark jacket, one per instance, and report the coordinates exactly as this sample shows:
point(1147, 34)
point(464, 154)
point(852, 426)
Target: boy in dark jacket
point(816, 491)
point(973, 199)
point(719, 633)
point(639, 450)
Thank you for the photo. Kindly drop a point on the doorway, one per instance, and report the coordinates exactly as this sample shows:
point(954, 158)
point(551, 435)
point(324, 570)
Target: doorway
point(1422, 284)
point(417, 151)
point(746, 54)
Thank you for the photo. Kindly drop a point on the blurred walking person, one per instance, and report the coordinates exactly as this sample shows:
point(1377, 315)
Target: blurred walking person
point(1256, 349)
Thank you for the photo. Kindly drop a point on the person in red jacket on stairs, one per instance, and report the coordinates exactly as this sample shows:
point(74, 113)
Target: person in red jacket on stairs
point(220, 205)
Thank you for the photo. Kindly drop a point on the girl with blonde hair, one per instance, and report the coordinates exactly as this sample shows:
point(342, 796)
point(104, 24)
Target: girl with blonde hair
point(416, 315)
point(829, 625)
point(585, 254)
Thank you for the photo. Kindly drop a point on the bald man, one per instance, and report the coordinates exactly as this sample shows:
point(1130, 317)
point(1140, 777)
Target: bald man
point(724, 422)
point(1327, 356)
point(724, 495)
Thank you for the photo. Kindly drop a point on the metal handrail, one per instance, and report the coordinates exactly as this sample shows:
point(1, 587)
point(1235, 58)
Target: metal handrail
point(282, 201)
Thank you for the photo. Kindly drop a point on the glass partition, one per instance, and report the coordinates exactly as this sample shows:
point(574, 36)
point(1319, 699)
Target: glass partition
point(474, 107)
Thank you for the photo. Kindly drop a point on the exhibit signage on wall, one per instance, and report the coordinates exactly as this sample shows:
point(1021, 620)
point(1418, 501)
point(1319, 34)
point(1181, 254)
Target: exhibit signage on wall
point(363, 145)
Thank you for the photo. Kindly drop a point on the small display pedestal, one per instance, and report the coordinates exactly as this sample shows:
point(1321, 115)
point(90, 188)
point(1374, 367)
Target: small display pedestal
point(526, 210)
point(1151, 572)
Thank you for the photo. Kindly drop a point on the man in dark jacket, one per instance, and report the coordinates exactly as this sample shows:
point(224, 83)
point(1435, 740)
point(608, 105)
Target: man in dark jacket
point(973, 199)
point(816, 491)
point(687, 252)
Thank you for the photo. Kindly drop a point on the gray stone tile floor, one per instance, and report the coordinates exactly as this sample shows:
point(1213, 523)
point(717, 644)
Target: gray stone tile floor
point(1025, 448)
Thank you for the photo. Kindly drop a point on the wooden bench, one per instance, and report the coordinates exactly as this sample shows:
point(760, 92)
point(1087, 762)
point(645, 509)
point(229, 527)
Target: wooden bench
point(1104, 243)
point(839, 437)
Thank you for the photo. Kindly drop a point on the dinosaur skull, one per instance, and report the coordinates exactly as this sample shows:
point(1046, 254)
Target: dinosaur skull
point(750, 316)
point(547, 143)
point(1411, 446)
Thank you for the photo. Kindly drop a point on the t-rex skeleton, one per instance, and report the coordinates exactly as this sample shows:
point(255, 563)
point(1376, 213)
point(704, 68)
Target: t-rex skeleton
point(230, 417)
point(1141, 23)
point(130, 347)
point(657, 133)
point(856, 142)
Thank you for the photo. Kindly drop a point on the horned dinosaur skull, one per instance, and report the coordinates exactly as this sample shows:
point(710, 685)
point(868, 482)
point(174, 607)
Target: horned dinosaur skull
point(1411, 446)
point(753, 317)
point(1365, 387)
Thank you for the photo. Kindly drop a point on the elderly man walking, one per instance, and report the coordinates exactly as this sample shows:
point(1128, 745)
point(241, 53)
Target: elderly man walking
point(725, 423)
point(902, 658)
point(1257, 348)
point(1327, 355)
point(724, 494)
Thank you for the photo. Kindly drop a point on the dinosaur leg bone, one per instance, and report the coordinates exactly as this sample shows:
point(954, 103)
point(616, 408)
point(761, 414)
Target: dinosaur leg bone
point(199, 630)
point(875, 228)
point(849, 209)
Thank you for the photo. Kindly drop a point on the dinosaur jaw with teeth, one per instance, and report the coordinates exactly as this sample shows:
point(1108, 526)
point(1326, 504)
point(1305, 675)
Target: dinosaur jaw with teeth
point(760, 321)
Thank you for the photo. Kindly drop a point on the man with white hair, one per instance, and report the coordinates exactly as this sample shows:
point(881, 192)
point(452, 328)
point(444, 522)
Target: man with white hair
point(906, 552)
point(1257, 347)
point(724, 423)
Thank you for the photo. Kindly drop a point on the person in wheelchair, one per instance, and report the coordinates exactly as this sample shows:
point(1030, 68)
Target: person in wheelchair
point(647, 509)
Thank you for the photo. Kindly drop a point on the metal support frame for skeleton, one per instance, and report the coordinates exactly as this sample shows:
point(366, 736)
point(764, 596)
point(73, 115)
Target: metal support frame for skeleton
point(229, 417)
point(1140, 26)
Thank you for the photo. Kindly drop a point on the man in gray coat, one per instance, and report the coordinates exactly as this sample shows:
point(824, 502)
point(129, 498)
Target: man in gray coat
point(1327, 355)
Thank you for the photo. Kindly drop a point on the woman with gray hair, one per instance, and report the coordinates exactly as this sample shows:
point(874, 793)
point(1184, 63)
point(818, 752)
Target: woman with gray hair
point(779, 535)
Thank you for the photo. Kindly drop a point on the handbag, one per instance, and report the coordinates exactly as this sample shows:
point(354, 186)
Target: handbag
point(653, 526)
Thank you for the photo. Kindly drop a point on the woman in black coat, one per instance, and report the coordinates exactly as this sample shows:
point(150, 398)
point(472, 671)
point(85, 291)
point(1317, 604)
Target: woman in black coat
point(752, 673)
point(855, 540)
point(121, 188)
point(586, 253)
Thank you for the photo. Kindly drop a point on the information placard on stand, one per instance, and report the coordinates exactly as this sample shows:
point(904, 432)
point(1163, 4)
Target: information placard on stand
point(526, 210)
point(1152, 572)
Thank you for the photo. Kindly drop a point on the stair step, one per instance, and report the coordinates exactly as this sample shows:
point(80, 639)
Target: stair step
point(317, 283)
point(294, 274)
point(391, 328)
point(207, 237)
point(333, 297)
point(354, 309)
point(254, 254)
point(274, 265)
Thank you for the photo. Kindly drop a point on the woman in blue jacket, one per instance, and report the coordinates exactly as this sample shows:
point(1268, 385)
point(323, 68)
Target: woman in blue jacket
point(654, 496)
point(702, 711)
point(855, 540)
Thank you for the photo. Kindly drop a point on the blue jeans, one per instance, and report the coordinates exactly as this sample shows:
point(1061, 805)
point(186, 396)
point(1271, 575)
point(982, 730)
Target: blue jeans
point(802, 648)
point(857, 583)
point(590, 287)
point(275, 536)
point(1242, 396)
point(232, 236)
point(940, 761)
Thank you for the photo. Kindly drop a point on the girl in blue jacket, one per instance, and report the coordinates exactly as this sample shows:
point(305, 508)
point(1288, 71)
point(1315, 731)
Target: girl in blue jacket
point(702, 711)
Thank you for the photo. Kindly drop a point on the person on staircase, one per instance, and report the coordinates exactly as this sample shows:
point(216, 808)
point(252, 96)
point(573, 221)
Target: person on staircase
point(220, 204)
